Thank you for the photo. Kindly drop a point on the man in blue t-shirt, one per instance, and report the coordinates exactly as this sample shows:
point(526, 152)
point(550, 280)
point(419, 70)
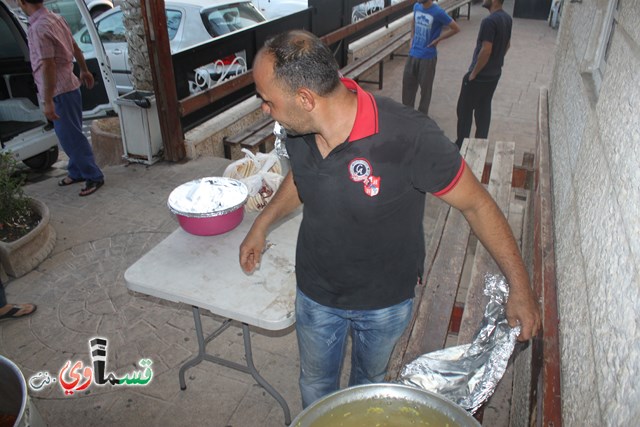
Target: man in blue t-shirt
point(479, 84)
point(420, 69)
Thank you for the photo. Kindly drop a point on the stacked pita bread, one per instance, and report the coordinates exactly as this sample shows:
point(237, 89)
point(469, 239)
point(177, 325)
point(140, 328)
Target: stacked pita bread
point(262, 173)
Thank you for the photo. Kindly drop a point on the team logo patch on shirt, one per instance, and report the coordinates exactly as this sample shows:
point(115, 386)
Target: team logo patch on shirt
point(360, 171)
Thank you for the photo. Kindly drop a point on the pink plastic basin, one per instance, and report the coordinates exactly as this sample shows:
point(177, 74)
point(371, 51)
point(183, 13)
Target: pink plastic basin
point(213, 225)
point(209, 206)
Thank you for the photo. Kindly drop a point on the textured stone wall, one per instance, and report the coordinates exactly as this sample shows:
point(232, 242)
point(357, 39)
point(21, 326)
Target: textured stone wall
point(136, 40)
point(595, 151)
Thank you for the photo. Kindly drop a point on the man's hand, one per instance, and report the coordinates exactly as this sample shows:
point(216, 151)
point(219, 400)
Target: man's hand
point(451, 29)
point(251, 250)
point(523, 310)
point(50, 110)
point(87, 79)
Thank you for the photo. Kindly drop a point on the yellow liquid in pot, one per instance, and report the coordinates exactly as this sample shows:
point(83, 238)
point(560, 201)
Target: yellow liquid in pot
point(383, 413)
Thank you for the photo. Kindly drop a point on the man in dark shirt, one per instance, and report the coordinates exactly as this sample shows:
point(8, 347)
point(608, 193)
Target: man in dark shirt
point(479, 84)
point(362, 165)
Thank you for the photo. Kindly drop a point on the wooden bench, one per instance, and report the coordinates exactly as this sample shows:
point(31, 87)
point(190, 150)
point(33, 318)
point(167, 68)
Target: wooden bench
point(254, 138)
point(360, 66)
point(259, 135)
point(450, 306)
point(453, 7)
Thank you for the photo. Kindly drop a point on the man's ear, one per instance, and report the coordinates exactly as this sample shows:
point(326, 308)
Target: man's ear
point(307, 99)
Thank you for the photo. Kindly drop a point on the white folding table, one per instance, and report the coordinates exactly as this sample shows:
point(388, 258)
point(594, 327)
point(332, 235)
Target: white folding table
point(204, 271)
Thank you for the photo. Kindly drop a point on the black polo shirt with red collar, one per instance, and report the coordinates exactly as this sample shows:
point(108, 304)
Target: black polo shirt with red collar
point(361, 243)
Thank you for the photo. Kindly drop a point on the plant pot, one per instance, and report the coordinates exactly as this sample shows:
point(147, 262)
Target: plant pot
point(23, 255)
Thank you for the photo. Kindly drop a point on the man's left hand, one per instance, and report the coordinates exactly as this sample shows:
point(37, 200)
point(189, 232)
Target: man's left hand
point(87, 79)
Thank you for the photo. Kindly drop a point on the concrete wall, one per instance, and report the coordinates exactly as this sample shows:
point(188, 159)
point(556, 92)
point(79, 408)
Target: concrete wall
point(595, 151)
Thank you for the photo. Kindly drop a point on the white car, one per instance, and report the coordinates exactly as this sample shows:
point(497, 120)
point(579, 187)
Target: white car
point(189, 22)
point(273, 9)
point(24, 130)
point(98, 7)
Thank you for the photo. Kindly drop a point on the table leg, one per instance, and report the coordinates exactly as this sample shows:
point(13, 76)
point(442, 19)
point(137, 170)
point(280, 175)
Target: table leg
point(254, 373)
point(249, 368)
point(202, 345)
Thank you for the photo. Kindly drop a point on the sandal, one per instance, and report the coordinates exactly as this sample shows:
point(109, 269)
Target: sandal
point(91, 187)
point(67, 180)
point(13, 313)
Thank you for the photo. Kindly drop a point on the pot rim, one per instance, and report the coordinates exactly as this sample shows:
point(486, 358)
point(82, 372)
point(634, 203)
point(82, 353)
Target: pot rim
point(384, 390)
point(240, 185)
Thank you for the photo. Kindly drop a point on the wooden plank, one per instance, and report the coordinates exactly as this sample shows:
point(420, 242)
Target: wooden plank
point(250, 130)
point(430, 330)
point(259, 139)
point(549, 390)
point(500, 189)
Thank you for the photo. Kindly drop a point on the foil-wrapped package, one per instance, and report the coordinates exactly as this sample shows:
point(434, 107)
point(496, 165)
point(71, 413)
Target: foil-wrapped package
point(468, 374)
point(281, 136)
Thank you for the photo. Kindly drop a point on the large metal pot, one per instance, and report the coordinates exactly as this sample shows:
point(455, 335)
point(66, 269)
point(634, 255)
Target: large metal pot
point(384, 405)
point(16, 407)
point(209, 206)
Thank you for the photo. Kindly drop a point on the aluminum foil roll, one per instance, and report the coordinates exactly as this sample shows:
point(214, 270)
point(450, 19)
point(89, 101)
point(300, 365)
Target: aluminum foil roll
point(468, 374)
point(279, 144)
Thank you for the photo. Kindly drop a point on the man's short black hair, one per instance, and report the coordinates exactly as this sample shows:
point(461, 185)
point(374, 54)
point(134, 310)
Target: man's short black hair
point(302, 60)
point(34, 1)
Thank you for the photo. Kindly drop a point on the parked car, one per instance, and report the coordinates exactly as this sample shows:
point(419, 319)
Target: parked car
point(98, 7)
point(24, 130)
point(273, 9)
point(189, 22)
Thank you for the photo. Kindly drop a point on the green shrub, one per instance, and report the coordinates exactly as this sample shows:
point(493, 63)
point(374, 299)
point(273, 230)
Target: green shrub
point(14, 204)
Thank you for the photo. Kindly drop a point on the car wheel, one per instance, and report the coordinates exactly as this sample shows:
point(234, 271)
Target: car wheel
point(98, 10)
point(43, 161)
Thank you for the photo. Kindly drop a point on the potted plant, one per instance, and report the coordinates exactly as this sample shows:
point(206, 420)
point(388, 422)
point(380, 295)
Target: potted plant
point(26, 237)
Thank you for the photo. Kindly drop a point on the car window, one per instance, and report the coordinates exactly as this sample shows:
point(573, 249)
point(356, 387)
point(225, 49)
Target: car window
point(229, 18)
point(69, 11)
point(173, 22)
point(9, 46)
point(111, 29)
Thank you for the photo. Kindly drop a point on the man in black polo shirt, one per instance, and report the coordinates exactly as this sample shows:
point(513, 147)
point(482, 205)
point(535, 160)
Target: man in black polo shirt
point(479, 84)
point(362, 164)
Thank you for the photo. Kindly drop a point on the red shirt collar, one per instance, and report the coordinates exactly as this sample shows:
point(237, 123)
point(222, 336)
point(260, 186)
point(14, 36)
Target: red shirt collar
point(366, 123)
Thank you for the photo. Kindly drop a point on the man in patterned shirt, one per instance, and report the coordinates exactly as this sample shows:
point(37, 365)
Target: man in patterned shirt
point(51, 50)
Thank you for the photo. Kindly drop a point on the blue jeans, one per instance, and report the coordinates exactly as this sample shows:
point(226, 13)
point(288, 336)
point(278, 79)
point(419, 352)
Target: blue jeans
point(322, 336)
point(69, 132)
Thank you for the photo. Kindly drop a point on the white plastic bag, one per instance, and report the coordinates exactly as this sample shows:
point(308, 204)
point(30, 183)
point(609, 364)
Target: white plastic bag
point(261, 173)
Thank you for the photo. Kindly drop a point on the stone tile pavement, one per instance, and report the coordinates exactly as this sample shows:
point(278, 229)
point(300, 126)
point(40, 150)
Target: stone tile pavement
point(81, 293)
